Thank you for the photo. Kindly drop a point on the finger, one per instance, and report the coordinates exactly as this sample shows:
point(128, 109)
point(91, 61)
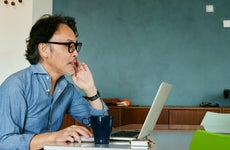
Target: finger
point(88, 132)
point(81, 130)
point(77, 139)
point(78, 65)
point(85, 66)
point(69, 138)
point(76, 131)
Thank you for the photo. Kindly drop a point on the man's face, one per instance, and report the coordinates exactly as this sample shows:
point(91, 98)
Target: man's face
point(59, 61)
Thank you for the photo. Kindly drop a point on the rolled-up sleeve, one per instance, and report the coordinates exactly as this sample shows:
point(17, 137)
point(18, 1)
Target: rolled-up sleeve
point(81, 109)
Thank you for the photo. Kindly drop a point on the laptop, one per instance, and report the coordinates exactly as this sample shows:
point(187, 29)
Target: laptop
point(150, 120)
point(148, 126)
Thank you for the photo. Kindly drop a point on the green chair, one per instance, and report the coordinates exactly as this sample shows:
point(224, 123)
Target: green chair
point(204, 140)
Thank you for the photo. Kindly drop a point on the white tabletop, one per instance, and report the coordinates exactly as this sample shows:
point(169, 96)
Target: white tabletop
point(163, 141)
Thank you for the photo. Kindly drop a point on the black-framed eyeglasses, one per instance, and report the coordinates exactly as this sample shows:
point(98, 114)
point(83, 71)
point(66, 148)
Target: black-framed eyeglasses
point(71, 45)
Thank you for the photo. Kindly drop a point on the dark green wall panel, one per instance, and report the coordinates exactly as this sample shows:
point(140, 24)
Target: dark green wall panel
point(133, 45)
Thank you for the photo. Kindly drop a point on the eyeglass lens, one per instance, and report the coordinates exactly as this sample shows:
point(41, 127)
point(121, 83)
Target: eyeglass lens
point(74, 46)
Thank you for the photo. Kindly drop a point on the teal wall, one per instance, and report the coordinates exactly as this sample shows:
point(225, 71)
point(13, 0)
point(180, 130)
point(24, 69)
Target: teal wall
point(133, 45)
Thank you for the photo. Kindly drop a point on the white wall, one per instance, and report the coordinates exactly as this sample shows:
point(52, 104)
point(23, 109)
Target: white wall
point(16, 22)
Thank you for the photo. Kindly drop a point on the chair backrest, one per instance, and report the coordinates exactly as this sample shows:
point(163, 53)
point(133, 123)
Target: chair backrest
point(203, 140)
point(216, 122)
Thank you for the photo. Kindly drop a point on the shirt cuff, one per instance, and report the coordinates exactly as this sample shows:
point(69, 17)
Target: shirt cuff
point(104, 111)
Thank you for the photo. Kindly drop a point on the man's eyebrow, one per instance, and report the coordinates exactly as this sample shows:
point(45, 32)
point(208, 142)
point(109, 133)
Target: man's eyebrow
point(68, 40)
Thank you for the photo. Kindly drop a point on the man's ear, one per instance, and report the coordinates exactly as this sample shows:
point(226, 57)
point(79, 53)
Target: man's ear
point(43, 50)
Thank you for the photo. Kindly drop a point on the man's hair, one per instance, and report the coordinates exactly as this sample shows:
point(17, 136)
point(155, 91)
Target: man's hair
point(43, 30)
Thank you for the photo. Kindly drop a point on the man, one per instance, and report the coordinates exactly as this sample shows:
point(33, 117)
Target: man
point(34, 100)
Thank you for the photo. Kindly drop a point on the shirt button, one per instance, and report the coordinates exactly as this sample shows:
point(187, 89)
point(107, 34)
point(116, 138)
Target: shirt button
point(47, 78)
point(48, 90)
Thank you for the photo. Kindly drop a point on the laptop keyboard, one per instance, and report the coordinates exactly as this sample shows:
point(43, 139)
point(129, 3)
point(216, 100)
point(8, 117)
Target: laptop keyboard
point(125, 134)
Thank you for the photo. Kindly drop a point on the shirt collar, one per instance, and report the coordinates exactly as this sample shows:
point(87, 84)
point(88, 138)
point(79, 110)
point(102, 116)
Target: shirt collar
point(38, 69)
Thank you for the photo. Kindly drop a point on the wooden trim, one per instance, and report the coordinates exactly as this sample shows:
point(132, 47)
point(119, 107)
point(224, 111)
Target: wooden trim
point(171, 117)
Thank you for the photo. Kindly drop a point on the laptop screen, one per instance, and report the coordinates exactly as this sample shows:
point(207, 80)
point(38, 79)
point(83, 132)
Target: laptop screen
point(155, 109)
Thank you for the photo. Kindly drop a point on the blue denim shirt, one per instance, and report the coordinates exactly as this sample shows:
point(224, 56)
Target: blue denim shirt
point(27, 109)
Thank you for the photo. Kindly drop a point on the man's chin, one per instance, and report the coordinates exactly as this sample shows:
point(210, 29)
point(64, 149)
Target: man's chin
point(70, 72)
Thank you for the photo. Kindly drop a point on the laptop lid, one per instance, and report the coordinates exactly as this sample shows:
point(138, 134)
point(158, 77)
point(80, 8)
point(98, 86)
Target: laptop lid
point(152, 116)
point(155, 109)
